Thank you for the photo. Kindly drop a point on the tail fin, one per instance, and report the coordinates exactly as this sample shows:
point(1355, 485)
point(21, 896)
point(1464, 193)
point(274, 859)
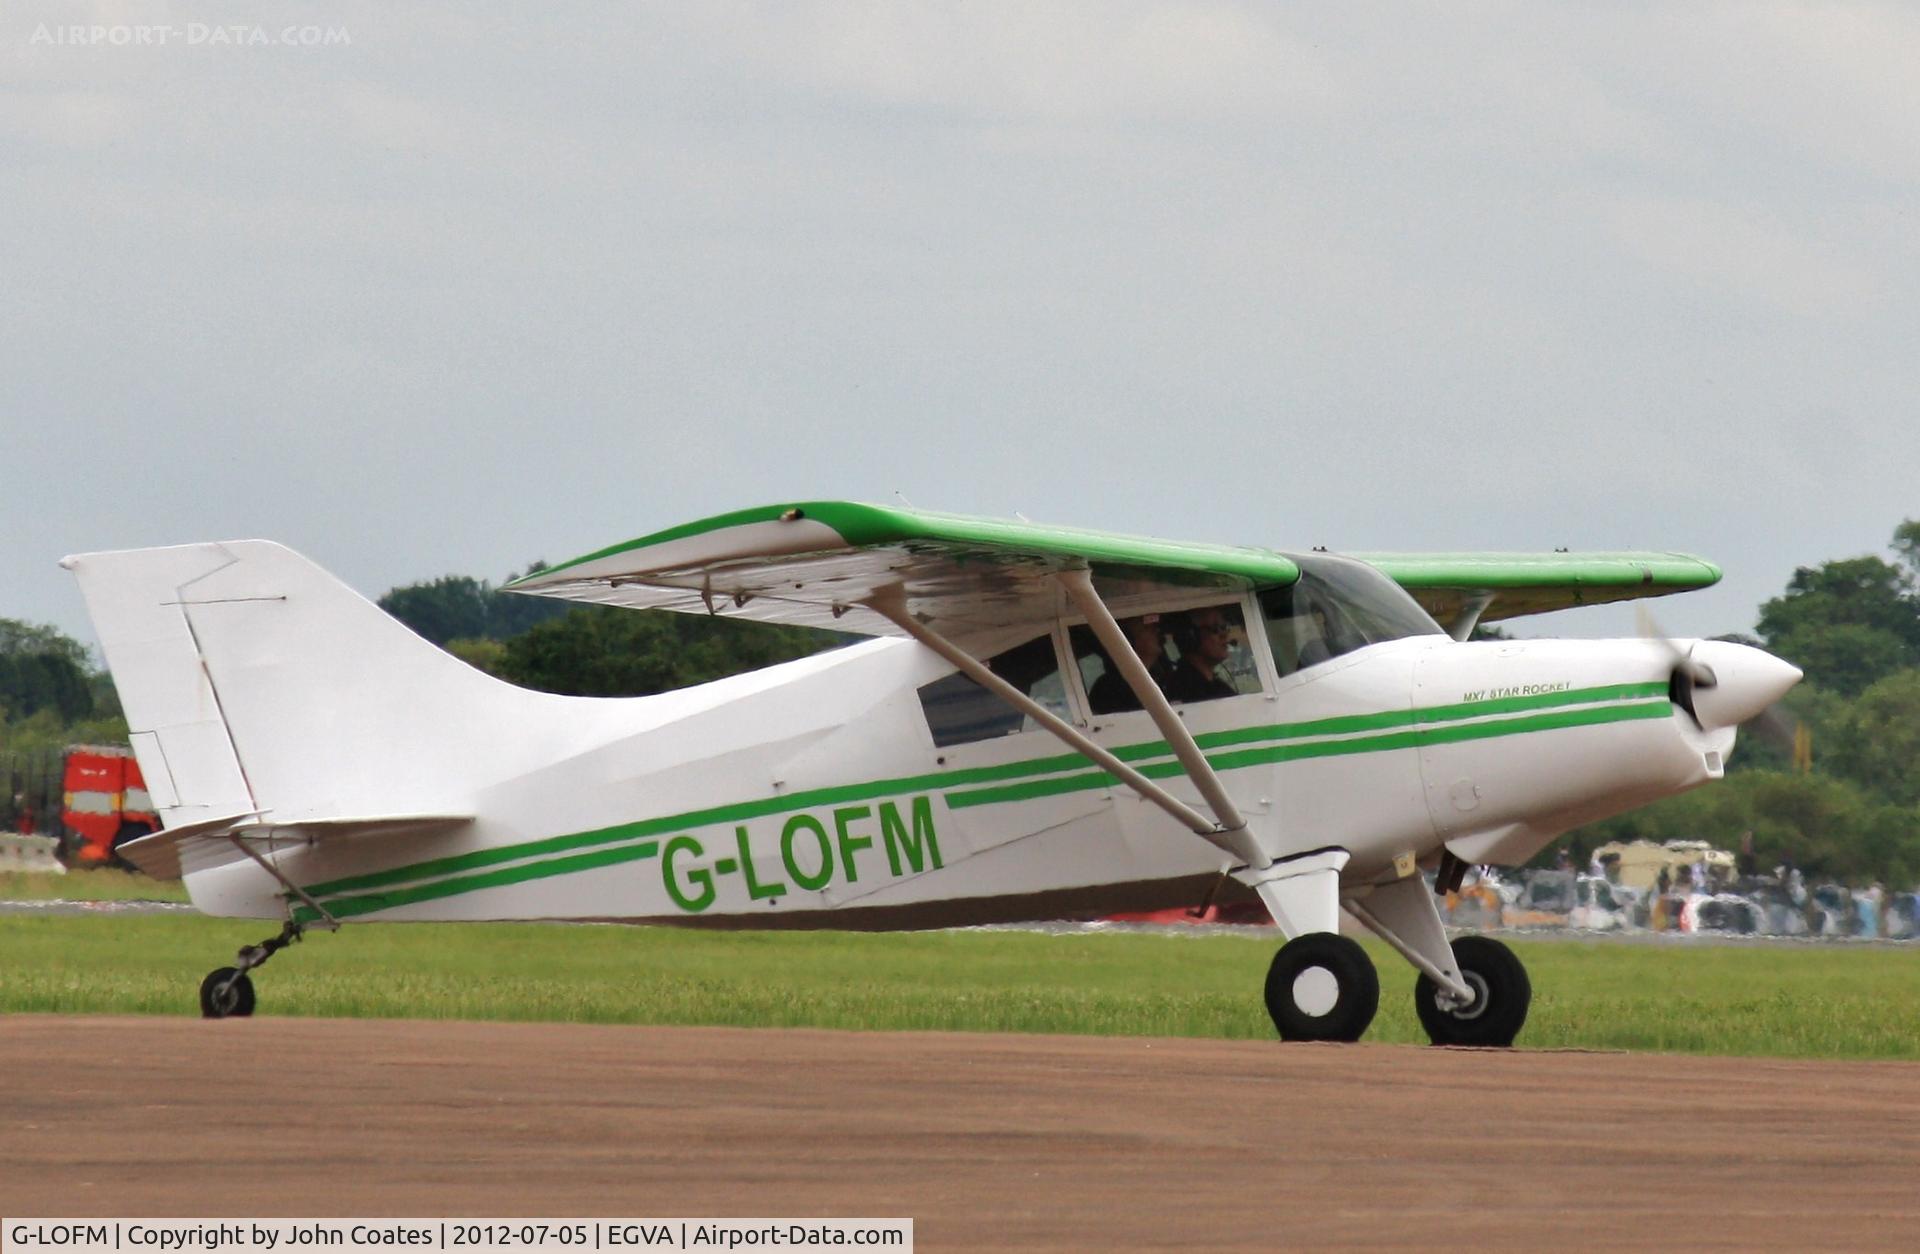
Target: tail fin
point(253, 681)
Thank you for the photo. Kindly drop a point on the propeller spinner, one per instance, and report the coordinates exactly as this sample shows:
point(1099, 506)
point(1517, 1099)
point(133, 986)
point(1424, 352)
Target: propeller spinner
point(1720, 683)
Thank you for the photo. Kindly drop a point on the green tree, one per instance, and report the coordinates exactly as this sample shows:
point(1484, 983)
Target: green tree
point(601, 651)
point(1845, 623)
point(42, 669)
point(1906, 545)
point(480, 653)
point(460, 607)
point(452, 607)
point(1874, 740)
point(1827, 826)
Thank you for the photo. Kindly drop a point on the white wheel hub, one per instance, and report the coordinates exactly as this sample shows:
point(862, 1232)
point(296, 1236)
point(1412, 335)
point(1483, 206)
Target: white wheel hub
point(1471, 1010)
point(1316, 991)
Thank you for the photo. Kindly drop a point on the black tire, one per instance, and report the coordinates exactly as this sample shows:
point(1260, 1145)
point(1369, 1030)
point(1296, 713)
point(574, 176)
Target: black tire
point(1497, 1013)
point(1355, 989)
point(226, 994)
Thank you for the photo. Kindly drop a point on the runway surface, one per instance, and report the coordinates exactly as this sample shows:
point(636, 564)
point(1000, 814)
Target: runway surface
point(988, 1142)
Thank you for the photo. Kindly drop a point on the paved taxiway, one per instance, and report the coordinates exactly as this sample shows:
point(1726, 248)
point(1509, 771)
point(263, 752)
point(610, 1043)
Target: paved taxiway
point(1019, 1142)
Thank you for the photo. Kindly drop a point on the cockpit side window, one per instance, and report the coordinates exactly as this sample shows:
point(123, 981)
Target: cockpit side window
point(1338, 605)
point(1209, 655)
point(959, 711)
point(1192, 655)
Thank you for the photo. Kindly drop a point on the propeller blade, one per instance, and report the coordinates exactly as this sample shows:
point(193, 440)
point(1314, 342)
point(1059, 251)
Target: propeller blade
point(1698, 673)
point(1775, 725)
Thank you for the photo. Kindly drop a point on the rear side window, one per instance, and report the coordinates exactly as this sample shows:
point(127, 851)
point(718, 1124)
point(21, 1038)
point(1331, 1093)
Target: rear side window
point(959, 711)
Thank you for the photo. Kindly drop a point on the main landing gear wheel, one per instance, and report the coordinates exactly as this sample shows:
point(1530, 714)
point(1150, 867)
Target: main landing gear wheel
point(1501, 995)
point(1322, 987)
point(226, 994)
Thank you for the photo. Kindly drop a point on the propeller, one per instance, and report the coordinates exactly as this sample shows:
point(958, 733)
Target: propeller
point(1777, 726)
point(1688, 675)
point(1722, 684)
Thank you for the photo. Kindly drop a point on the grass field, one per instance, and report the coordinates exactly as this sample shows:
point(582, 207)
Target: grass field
point(101, 884)
point(1798, 1001)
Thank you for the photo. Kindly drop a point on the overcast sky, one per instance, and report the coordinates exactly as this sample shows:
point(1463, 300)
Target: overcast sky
point(470, 288)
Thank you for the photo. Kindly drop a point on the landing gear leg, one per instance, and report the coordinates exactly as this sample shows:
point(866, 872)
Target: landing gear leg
point(1502, 994)
point(1321, 986)
point(1472, 992)
point(227, 992)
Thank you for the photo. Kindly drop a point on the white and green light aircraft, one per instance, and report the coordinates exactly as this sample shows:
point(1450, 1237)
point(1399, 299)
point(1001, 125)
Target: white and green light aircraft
point(1050, 723)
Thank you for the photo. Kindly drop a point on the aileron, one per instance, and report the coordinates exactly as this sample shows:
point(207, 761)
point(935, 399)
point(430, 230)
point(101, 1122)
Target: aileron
point(1518, 584)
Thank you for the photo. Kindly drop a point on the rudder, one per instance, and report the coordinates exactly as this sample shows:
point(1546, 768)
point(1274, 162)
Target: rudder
point(253, 680)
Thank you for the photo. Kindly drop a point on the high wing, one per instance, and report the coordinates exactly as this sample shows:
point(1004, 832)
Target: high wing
point(808, 563)
point(1449, 584)
point(964, 577)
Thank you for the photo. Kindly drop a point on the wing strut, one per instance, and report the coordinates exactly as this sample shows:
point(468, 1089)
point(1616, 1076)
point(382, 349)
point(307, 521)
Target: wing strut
point(1079, 586)
point(1235, 842)
point(1469, 616)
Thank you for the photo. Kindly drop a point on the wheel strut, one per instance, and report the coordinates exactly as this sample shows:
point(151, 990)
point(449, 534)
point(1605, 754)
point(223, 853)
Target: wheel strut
point(252, 956)
point(227, 992)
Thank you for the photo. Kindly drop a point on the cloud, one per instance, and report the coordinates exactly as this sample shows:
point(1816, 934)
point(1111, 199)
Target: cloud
point(1743, 253)
point(60, 119)
point(493, 282)
point(1119, 64)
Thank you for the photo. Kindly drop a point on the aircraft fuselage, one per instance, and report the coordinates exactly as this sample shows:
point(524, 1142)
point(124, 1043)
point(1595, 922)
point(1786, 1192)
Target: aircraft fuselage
point(811, 794)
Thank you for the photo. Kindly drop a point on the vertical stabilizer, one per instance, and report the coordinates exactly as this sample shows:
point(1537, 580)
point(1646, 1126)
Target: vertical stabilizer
point(255, 681)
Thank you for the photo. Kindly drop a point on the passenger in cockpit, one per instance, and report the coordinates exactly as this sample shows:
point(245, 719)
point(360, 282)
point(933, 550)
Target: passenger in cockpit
point(1111, 693)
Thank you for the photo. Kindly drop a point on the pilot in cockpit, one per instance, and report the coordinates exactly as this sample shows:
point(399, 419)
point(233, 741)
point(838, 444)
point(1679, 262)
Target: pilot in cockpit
point(1205, 639)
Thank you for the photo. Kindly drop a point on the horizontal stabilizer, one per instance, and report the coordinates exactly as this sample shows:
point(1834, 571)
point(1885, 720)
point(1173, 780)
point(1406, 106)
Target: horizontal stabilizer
point(173, 853)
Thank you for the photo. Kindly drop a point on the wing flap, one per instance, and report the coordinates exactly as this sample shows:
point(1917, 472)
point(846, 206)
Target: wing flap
point(808, 564)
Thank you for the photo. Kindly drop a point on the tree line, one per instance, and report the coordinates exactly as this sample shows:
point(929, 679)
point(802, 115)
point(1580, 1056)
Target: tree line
point(590, 650)
point(1853, 813)
point(1853, 625)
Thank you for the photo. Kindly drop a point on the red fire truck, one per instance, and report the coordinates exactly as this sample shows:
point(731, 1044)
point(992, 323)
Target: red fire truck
point(106, 801)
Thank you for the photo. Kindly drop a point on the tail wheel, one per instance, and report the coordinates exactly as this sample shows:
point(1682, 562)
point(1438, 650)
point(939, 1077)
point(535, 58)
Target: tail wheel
point(1322, 987)
point(1502, 994)
point(226, 993)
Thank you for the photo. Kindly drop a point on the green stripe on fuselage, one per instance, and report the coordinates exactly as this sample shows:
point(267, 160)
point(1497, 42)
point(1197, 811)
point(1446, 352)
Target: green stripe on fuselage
point(1409, 739)
point(347, 907)
point(1264, 738)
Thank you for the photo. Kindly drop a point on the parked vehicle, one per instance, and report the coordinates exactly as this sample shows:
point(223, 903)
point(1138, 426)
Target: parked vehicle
point(1780, 914)
point(1639, 863)
point(1477, 905)
point(1903, 916)
point(1830, 911)
point(1602, 906)
point(106, 802)
point(1721, 912)
point(1541, 899)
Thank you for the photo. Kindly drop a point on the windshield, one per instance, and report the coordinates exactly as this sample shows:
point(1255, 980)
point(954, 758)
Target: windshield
point(1338, 605)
